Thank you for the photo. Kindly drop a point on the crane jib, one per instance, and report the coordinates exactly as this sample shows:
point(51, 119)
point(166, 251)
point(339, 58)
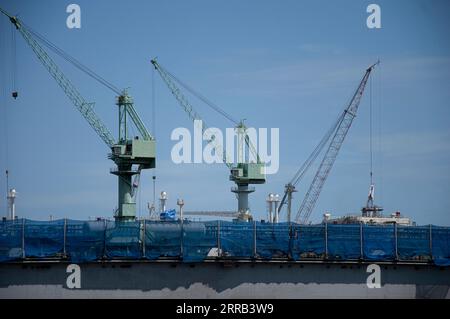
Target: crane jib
point(313, 192)
point(126, 152)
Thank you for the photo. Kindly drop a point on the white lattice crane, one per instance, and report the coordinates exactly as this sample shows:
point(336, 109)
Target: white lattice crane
point(334, 138)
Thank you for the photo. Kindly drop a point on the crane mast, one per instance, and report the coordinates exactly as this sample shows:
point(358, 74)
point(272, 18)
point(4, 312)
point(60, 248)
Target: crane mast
point(242, 174)
point(126, 151)
point(330, 156)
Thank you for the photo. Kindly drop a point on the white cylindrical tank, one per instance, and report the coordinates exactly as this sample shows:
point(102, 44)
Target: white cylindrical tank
point(269, 201)
point(11, 203)
point(180, 203)
point(276, 200)
point(163, 200)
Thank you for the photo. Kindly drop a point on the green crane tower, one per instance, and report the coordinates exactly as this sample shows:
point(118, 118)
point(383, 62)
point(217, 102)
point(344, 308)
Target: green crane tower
point(131, 154)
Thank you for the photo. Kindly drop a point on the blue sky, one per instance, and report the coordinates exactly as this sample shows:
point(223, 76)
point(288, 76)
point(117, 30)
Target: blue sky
point(292, 65)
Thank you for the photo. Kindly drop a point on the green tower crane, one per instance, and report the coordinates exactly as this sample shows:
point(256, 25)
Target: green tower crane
point(243, 174)
point(127, 152)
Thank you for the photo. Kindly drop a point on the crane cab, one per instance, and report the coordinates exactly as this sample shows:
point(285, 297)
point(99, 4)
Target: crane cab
point(248, 173)
point(135, 151)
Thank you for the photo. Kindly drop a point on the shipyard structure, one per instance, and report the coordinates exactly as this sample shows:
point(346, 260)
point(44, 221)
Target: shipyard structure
point(166, 255)
point(218, 259)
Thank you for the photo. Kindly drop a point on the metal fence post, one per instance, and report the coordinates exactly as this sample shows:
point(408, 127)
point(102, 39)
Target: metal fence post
point(181, 239)
point(143, 239)
point(431, 242)
point(23, 238)
point(104, 238)
point(65, 234)
point(290, 254)
point(326, 240)
point(254, 238)
point(396, 240)
point(219, 249)
point(361, 240)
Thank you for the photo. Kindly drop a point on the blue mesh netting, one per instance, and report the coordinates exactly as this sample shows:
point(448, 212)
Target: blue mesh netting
point(122, 240)
point(198, 240)
point(11, 240)
point(413, 243)
point(441, 245)
point(272, 240)
point(162, 239)
point(378, 242)
point(308, 241)
point(236, 239)
point(44, 239)
point(344, 241)
point(83, 241)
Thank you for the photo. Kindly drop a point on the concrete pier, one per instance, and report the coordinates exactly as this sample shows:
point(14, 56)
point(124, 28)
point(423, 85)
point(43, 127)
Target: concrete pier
point(222, 279)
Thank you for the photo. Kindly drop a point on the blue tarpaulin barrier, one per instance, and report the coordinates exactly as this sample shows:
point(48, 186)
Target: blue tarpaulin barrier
point(441, 245)
point(236, 239)
point(344, 242)
point(44, 239)
point(272, 240)
point(308, 241)
point(413, 243)
point(162, 239)
point(122, 240)
point(86, 241)
point(378, 242)
point(198, 240)
point(11, 232)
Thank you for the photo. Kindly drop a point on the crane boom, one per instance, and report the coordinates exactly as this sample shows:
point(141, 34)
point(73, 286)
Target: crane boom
point(138, 122)
point(85, 108)
point(243, 173)
point(329, 158)
point(170, 80)
point(126, 151)
point(187, 107)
